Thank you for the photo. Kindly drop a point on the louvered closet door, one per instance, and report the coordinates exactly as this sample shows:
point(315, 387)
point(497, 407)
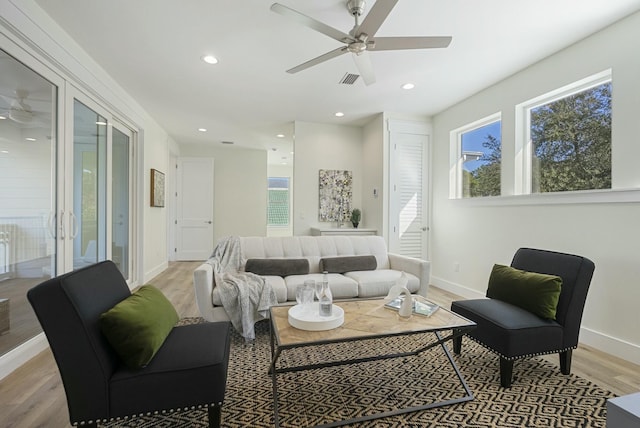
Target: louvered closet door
point(407, 205)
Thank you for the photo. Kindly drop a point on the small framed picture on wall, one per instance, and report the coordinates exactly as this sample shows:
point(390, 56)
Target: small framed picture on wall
point(157, 188)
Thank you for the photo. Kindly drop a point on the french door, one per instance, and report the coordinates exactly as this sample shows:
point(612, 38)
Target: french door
point(66, 184)
point(98, 216)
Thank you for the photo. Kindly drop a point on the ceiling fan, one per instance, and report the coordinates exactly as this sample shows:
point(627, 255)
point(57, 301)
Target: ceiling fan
point(360, 39)
point(19, 110)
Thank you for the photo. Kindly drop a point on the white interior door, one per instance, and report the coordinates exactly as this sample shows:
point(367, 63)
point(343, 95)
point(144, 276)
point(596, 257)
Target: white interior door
point(407, 205)
point(194, 228)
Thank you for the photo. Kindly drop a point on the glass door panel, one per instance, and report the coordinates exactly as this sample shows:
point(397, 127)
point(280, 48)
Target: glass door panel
point(89, 186)
point(120, 200)
point(28, 194)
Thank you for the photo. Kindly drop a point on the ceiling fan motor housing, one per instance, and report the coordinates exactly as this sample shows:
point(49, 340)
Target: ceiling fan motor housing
point(356, 7)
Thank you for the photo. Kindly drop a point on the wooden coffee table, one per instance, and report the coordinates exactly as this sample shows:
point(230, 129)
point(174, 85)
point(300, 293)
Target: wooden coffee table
point(364, 320)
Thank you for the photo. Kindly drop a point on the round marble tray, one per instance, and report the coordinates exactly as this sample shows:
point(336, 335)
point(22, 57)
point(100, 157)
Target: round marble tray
point(308, 317)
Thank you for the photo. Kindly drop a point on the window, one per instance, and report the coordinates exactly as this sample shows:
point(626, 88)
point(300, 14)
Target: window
point(278, 203)
point(569, 138)
point(478, 148)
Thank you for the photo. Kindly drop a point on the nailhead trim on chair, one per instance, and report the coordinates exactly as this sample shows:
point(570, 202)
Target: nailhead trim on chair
point(520, 356)
point(155, 412)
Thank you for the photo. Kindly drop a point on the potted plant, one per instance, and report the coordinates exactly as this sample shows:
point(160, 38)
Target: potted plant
point(355, 217)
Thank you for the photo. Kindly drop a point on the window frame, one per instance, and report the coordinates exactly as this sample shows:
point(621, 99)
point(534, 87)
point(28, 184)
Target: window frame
point(523, 142)
point(288, 190)
point(456, 155)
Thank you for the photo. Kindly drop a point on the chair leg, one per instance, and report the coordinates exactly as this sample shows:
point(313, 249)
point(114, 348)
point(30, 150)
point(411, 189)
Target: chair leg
point(457, 345)
point(506, 372)
point(215, 416)
point(565, 361)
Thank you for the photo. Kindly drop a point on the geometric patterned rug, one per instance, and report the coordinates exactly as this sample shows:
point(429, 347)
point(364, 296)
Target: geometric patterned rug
point(540, 395)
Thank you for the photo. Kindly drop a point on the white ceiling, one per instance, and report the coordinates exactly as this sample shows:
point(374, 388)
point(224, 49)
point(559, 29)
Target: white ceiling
point(153, 49)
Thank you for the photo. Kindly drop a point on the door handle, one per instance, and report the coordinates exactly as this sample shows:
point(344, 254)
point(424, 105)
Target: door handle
point(424, 228)
point(208, 222)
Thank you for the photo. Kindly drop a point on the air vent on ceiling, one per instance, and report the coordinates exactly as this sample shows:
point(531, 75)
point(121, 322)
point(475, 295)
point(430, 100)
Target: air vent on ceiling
point(349, 79)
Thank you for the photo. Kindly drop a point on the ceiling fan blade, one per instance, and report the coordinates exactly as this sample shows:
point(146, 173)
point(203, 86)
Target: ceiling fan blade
point(312, 23)
point(365, 68)
point(376, 16)
point(397, 43)
point(322, 58)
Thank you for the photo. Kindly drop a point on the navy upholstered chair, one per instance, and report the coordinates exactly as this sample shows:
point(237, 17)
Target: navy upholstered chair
point(188, 371)
point(513, 332)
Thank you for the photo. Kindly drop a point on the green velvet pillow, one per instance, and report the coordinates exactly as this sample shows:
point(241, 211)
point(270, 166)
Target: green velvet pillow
point(536, 292)
point(137, 326)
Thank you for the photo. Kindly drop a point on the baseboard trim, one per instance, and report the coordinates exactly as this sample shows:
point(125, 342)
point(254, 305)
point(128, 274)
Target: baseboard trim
point(21, 354)
point(149, 275)
point(603, 342)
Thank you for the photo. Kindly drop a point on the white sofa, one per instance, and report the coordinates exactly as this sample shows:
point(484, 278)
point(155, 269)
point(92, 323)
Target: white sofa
point(347, 285)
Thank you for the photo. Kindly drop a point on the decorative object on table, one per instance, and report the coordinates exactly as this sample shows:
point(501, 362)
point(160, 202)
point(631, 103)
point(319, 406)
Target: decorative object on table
point(406, 307)
point(309, 319)
point(326, 298)
point(355, 217)
point(157, 188)
point(304, 294)
point(335, 191)
point(421, 306)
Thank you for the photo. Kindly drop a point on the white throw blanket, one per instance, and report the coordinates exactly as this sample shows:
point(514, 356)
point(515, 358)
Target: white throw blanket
point(246, 297)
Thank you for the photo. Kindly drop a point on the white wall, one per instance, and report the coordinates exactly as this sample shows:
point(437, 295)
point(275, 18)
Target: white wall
point(478, 234)
point(240, 189)
point(374, 176)
point(320, 146)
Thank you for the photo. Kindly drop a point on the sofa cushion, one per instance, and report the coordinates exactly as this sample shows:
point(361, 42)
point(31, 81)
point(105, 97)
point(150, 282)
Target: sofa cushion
point(535, 292)
point(375, 283)
point(347, 264)
point(137, 326)
point(341, 286)
point(277, 267)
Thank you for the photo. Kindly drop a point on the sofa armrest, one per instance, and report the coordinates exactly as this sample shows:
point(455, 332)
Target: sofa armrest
point(414, 266)
point(203, 284)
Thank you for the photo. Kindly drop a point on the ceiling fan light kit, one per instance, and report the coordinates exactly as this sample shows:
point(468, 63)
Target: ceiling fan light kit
point(360, 39)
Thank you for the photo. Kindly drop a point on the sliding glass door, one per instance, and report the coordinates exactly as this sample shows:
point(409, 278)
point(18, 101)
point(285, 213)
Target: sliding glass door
point(29, 193)
point(66, 186)
point(102, 187)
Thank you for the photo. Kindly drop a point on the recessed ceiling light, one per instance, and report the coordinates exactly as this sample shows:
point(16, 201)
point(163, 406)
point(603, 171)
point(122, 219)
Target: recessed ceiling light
point(101, 123)
point(210, 59)
point(3, 117)
point(4, 151)
point(280, 135)
point(202, 129)
point(339, 114)
point(408, 86)
point(30, 139)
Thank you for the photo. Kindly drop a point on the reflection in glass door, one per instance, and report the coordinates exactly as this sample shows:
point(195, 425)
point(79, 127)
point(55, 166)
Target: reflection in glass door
point(89, 186)
point(28, 194)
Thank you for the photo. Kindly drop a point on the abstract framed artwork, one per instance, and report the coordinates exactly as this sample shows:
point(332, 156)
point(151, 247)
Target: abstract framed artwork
point(157, 188)
point(335, 195)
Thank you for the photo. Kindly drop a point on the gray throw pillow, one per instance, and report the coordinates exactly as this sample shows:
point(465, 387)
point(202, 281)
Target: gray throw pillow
point(277, 267)
point(348, 264)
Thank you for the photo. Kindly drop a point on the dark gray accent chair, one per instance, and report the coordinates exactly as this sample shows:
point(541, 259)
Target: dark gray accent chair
point(189, 371)
point(514, 333)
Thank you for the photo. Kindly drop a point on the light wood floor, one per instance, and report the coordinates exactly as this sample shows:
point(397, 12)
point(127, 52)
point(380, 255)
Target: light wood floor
point(33, 395)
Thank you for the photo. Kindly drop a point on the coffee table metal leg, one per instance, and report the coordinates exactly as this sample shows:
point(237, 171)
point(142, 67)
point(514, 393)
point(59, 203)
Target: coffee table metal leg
point(275, 352)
